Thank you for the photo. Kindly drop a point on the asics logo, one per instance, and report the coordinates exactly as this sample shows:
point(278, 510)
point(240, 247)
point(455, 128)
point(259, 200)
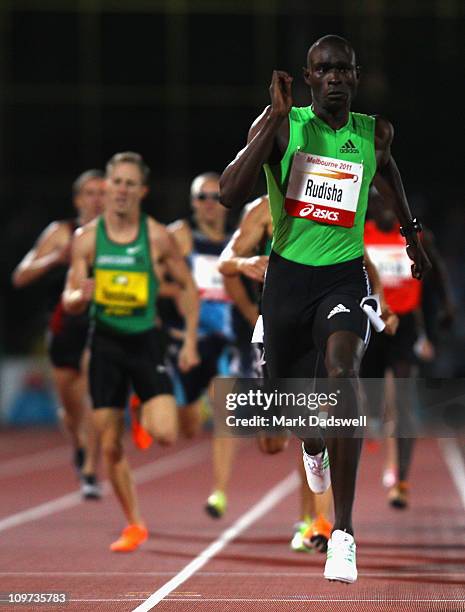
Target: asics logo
point(338, 310)
point(319, 213)
point(306, 211)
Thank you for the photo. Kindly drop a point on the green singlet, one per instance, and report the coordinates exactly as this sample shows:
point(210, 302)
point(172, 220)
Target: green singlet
point(125, 284)
point(305, 240)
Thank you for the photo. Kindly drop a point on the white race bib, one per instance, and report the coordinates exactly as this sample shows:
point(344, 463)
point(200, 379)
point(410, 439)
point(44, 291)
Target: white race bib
point(323, 189)
point(208, 278)
point(392, 262)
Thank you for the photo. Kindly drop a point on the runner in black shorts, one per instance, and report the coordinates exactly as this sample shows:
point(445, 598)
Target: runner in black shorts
point(201, 240)
point(319, 162)
point(67, 334)
point(319, 301)
point(125, 250)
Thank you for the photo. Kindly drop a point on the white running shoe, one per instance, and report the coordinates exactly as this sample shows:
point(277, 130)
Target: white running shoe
point(317, 470)
point(90, 488)
point(341, 563)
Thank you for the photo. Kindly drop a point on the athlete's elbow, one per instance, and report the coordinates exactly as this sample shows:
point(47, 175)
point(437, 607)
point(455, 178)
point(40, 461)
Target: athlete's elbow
point(17, 280)
point(225, 197)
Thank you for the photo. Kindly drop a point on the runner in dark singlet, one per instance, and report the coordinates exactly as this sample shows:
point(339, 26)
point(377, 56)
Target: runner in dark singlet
point(67, 334)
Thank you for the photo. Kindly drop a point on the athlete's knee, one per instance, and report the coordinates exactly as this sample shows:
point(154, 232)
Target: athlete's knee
point(189, 422)
point(112, 450)
point(165, 437)
point(190, 429)
point(271, 445)
point(165, 433)
point(339, 370)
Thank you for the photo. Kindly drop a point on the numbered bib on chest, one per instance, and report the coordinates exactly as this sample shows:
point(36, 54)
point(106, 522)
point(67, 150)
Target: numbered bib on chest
point(392, 262)
point(208, 278)
point(323, 189)
point(115, 288)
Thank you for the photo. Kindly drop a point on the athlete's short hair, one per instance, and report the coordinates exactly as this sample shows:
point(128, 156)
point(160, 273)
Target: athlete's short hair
point(129, 157)
point(201, 178)
point(88, 175)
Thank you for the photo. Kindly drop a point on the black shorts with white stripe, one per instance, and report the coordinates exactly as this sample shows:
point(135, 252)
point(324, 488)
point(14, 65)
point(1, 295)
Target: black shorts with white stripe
point(303, 305)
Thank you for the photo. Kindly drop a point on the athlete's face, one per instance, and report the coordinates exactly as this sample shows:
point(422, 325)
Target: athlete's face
point(332, 76)
point(206, 205)
point(124, 188)
point(89, 200)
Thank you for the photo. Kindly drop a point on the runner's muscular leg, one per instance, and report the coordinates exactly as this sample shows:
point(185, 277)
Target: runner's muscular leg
point(343, 356)
point(159, 418)
point(72, 391)
point(109, 423)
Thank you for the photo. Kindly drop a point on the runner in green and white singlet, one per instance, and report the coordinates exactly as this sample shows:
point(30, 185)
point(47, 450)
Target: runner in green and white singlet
point(319, 162)
point(126, 251)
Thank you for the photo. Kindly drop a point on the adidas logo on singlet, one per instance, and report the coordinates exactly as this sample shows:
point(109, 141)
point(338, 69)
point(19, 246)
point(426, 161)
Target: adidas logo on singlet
point(348, 147)
point(337, 310)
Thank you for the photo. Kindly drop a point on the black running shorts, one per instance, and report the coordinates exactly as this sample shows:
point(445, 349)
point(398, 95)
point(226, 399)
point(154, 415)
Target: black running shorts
point(191, 385)
point(386, 352)
point(121, 361)
point(66, 342)
point(303, 305)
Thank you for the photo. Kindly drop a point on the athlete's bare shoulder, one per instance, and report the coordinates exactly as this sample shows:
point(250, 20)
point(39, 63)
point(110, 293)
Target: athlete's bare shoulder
point(384, 132)
point(84, 239)
point(182, 233)
point(56, 233)
point(157, 231)
point(87, 230)
point(160, 236)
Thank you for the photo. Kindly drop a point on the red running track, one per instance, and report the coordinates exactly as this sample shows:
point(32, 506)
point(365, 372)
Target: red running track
point(411, 560)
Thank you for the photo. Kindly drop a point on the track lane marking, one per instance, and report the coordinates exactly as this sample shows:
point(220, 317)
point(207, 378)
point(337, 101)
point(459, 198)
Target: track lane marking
point(270, 499)
point(145, 473)
point(39, 461)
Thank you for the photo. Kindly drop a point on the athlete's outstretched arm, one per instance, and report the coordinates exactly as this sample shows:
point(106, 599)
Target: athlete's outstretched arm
point(389, 183)
point(267, 137)
point(79, 288)
point(50, 250)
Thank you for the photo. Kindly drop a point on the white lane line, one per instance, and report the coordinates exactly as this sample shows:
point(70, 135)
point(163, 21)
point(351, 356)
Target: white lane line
point(443, 573)
point(151, 471)
point(42, 460)
point(277, 600)
point(320, 601)
point(273, 497)
point(455, 463)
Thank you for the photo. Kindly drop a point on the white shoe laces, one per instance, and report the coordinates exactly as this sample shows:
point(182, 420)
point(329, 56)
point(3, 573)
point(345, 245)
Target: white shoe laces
point(345, 548)
point(315, 463)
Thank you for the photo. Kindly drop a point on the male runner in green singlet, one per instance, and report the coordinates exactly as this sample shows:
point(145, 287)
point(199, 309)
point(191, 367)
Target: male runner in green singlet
point(319, 163)
point(125, 249)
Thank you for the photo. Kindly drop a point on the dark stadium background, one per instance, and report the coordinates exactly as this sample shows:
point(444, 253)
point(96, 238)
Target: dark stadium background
point(180, 82)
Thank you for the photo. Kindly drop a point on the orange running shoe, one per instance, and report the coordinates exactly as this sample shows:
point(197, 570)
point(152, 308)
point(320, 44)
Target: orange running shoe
point(318, 534)
point(131, 538)
point(398, 495)
point(141, 438)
